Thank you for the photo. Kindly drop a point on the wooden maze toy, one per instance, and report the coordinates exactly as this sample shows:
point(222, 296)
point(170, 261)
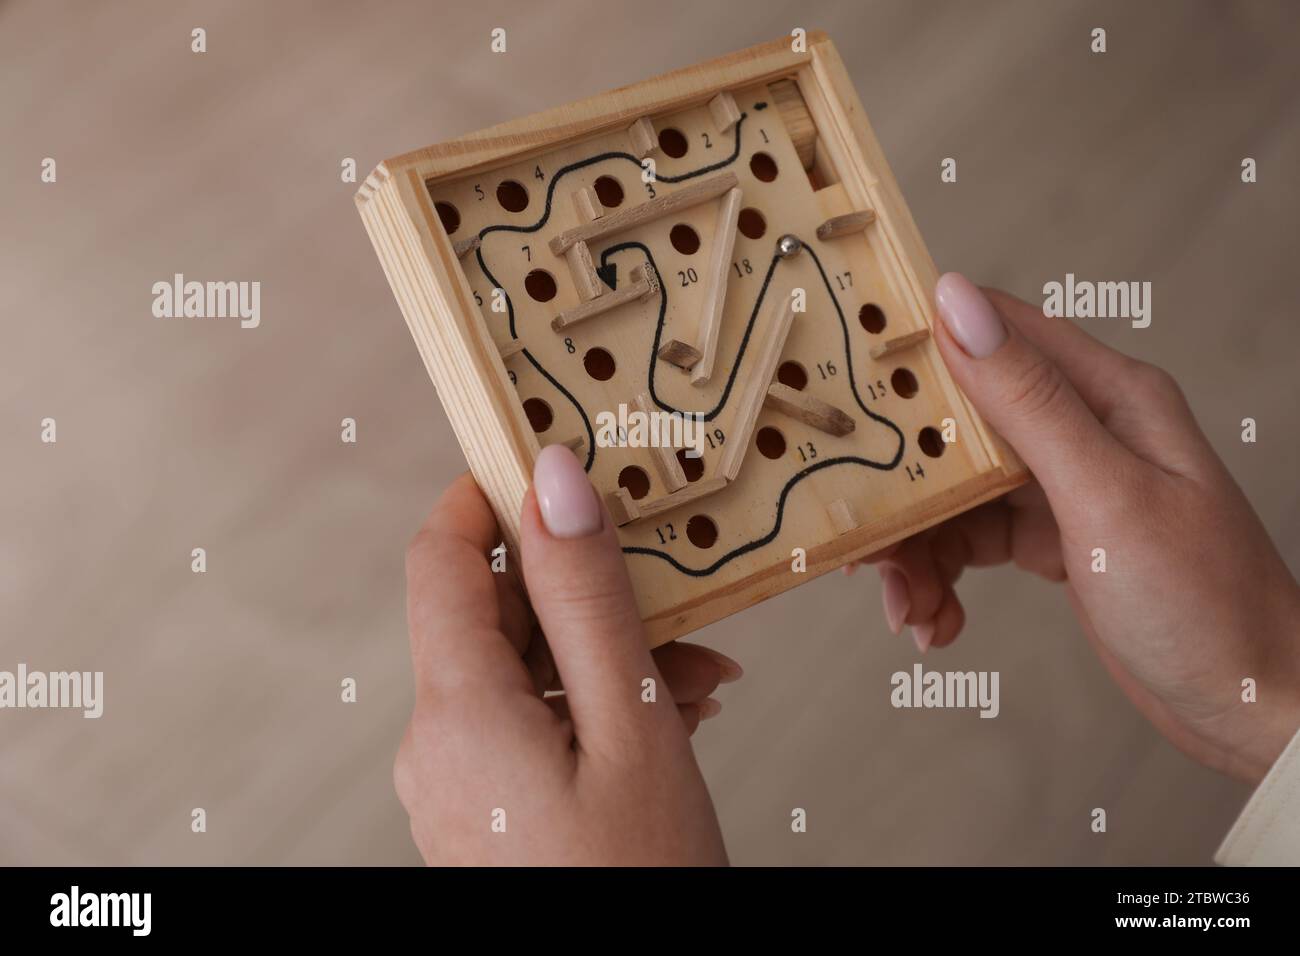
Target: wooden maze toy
point(725, 240)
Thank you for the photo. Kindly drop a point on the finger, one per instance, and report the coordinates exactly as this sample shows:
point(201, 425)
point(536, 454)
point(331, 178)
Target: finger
point(1139, 403)
point(691, 717)
point(460, 526)
point(577, 580)
point(452, 601)
point(540, 664)
point(1026, 397)
point(693, 672)
point(1094, 369)
point(516, 616)
point(917, 578)
point(1035, 536)
point(684, 667)
point(691, 713)
point(696, 713)
point(559, 705)
point(985, 531)
point(917, 597)
point(1019, 527)
point(945, 626)
point(912, 584)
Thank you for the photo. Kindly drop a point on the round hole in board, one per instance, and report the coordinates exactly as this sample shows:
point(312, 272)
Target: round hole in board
point(872, 318)
point(684, 239)
point(931, 441)
point(792, 375)
point(599, 364)
point(701, 531)
point(635, 480)
point(763, 167)
point(903, 383)
point(609, 191)
point(770, 442)
point(692, 468)
point(449, 215)
point(751, 223)
point(673, 142)
point(539, 414)
point(512, 196)
point(540, 284)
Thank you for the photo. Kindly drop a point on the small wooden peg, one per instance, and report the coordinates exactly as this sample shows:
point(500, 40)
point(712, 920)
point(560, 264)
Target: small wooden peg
point(510, 349)
point(679, 353)
point(724, 111)
point(846, 224)
point(463, 247)
point(811, 411)
point(899, 344)
point(642, 134)
point(587, 205)
point(843, 518)
point(622, 507)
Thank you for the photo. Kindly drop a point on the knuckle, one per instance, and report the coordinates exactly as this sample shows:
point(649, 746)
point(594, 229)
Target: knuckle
point(1038, 387)
point(418, 547)
point(430, 549)
point(1156, 390)
point(1155, 381)
point(592, 597)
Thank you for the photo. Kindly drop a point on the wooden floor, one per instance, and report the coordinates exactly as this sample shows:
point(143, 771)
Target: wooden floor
point(222, 689)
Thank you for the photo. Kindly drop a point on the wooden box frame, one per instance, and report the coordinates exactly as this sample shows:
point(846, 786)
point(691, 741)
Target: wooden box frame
point(424, 268)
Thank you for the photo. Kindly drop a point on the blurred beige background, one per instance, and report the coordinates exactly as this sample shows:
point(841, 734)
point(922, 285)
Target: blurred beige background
point(222, 689)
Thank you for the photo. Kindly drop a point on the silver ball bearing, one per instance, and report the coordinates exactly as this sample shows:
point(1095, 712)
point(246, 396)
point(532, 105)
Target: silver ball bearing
point(788, 246)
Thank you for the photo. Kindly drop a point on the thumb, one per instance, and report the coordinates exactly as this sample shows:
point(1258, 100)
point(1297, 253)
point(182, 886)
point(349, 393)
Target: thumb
point(1024, 395)
point(579, 587)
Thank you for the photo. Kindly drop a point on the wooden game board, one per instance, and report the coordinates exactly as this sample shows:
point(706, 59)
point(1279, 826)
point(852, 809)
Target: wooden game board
point(550, 275)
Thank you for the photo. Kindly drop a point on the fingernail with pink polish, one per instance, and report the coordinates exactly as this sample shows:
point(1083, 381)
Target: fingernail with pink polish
point(897, 601)
point(969, 316)
point(567, 501)
point(923, 634)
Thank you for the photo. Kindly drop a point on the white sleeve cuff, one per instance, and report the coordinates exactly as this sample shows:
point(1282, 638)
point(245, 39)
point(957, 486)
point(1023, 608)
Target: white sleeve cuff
point(1268, 831)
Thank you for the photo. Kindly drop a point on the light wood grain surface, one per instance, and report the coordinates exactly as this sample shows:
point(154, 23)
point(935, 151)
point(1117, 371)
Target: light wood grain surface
point(222, 689)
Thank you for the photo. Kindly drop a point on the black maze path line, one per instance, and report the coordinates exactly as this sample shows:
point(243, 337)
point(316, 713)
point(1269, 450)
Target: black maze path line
point(776, 525)
point(546, 215)
point(767, 538)
point(652, 366)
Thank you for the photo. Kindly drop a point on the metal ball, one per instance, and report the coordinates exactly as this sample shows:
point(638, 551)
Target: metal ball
point(788, 246)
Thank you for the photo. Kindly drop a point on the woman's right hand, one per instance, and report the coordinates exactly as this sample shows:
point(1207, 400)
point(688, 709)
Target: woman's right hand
point(1194, 598)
